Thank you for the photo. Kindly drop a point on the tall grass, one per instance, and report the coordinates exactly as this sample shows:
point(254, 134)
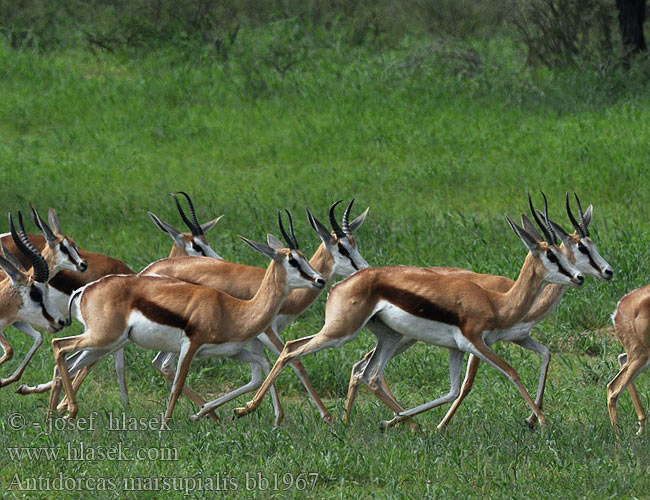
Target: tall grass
point(440, 139)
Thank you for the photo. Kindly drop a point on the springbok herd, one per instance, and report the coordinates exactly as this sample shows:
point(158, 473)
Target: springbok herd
point(194, 303)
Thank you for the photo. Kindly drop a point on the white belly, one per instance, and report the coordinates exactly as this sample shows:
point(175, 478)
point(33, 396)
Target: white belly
point(426, 330)
point(151, 335)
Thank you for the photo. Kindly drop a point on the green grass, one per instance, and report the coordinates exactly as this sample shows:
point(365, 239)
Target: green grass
point(439, 154)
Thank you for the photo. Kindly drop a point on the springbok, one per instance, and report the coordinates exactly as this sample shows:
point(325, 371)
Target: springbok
point(338, 255)
point(24, 298)
point(65, 283)
point(579, 249)
point(60, 253)
point(192, 243)
point(404, 303)
point(632, 327)
point(170, 315)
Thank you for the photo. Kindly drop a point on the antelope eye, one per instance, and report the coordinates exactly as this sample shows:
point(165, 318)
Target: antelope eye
point(583, 249)
point(551, 257)
point(293, 262)
point(35, 294)
point(197, 248)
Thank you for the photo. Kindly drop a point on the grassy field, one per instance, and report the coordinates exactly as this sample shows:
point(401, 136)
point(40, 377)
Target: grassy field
point(439, 152)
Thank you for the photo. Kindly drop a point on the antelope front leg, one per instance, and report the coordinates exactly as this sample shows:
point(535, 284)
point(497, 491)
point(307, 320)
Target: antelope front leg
point(489, 356)
point(38, 340)
point(256, 380)
point(455, 374)
point(188, 350)
point(162, 362)
point(292, 349)
point(532, 345)
point(272, 340)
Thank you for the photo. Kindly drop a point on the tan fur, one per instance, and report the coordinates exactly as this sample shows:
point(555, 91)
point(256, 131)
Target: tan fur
point(240, 280)
point(632, 328)
point(352, 303)
point(212, 317)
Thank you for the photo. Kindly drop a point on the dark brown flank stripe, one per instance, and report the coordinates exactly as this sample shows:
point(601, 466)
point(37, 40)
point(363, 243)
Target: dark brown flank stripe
point(159, 314)
point(417, 305)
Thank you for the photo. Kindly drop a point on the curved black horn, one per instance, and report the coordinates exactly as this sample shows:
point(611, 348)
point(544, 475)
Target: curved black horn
point(192, 212)
point(572, 218)
point(41, 270)
point(346, 219)
point(547, 221)
point(584, 227)
point(187, 222)
point(335, 225)
point(541, 225)
point(291, 240)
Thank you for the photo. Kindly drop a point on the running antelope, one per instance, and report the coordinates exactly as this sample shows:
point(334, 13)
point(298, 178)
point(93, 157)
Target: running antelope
point(60, 253)
point(194, 242)
point(404, 303)
point(24, 297)
point(579, 249)
point(338, 255)
point(170, 315)
point(64, 284)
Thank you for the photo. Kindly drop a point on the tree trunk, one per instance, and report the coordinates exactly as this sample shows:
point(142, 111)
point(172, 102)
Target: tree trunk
point(631, 15)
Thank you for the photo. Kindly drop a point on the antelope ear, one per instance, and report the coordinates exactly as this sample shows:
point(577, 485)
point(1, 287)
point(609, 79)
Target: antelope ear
point(529, 240)
point(14, 274)
point(274, 242)
point(530, 227)
point(206, 226)
point(55, 223)
point(356, 223)
point(13, 260)
point(263, 249)
point(176, 235)
point(320, 229)
point(42, 225)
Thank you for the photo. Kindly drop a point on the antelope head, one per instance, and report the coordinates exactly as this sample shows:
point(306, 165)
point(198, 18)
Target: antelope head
point(550, 263)
point(299, 272)
point(341, 244)
point(193, 243)
point(65, 254)
point(36, 307)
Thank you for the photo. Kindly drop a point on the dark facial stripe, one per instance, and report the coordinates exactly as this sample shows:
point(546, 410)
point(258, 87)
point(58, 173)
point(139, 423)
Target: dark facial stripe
point(159, 314)
point(294, 263)
point(198, 249)
point(345, 253)
point(417, 305)
point(593, 264)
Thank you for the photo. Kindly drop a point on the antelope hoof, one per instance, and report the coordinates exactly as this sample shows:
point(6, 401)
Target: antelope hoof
point(641, 428)
point(385, 424)
point(531, 421)
point(240, 412)
point(329, 419)
point(195, 418)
